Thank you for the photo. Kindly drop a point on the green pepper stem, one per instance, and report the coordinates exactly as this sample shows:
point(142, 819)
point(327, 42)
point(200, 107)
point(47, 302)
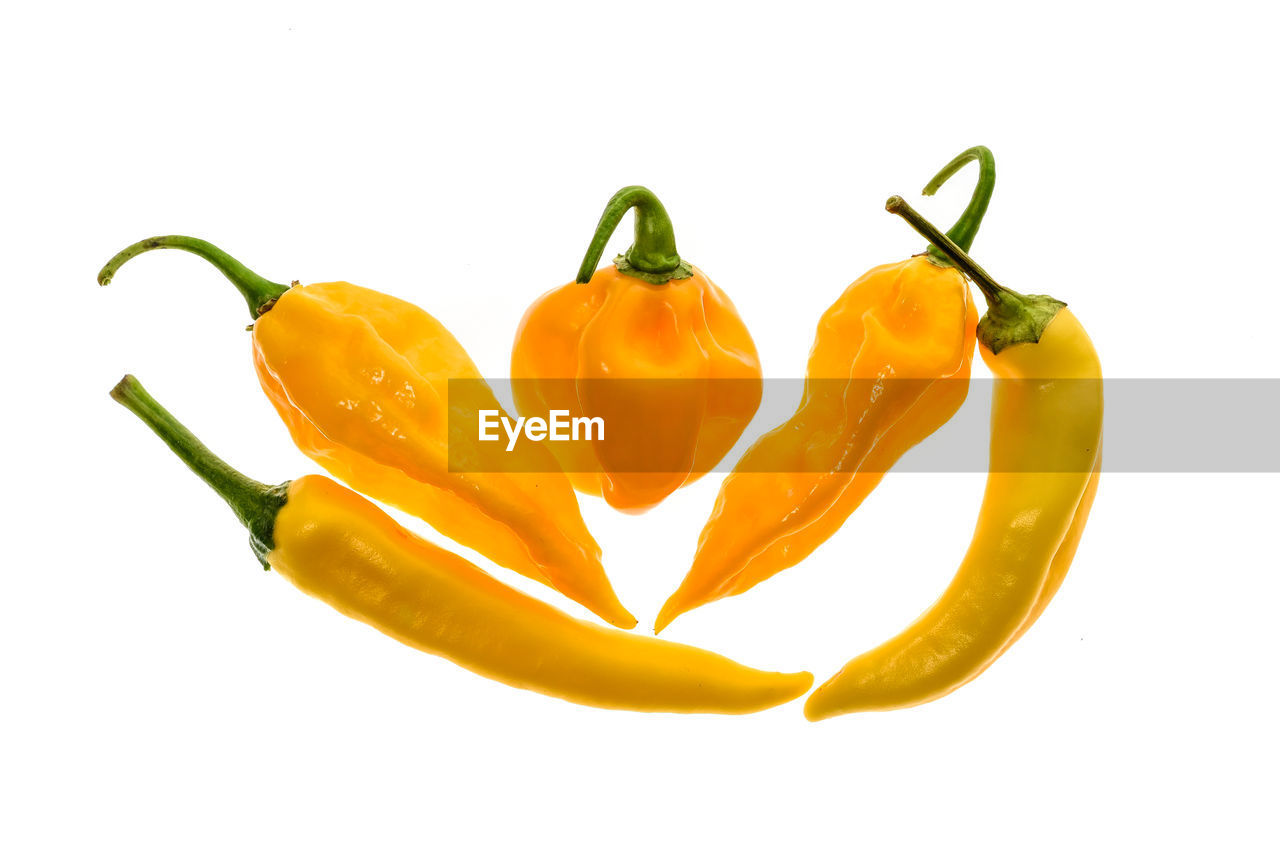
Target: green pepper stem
point(255, 504)
point(258, 292)
point(992, 291)
point(653, 254)
point(1012, 318)
point(966, 227)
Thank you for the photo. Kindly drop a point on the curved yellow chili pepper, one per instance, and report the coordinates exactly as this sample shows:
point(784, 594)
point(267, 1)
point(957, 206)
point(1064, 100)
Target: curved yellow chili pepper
point(362, 380)
point(889, 366)
point(1046, 435)
point(650, 346)
point(339, 548)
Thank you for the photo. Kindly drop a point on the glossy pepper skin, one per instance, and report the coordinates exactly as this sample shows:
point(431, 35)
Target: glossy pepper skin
point(336, 546)
point(1046, 442)
point(361, 379)
point(889, 366)
point(651, 346)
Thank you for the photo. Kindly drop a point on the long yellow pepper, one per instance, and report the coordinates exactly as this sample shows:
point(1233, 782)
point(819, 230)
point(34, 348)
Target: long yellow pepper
point(1046, 441)
point(339, 548)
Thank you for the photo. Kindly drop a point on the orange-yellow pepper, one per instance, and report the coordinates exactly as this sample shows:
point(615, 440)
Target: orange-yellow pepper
point(362, 380)
point(651, 347)
point(336, 546)
point(889, 366)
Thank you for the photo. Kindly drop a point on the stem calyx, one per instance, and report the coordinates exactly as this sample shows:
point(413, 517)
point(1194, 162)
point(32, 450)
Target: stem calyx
point(652, 257)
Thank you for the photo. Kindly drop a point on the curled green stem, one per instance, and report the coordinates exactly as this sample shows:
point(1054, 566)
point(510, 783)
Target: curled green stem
point(652, 257)
point(966, 227)
point(255, 504)
point(259, 293)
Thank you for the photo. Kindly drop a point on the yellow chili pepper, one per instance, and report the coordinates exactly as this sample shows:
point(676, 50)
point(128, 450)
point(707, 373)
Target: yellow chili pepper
point(1046, 440)
point(339, 548)
point(889, 366)
point(650, 346)
point(362, 381)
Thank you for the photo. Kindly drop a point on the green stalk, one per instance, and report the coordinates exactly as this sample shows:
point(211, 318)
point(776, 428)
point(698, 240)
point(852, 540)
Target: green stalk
point(255, 504)
point(259, 293)
point(966, 227)
point(1012, 317)
point(652, 257)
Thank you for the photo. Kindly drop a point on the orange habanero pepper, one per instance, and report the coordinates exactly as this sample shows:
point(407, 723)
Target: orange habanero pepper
point(652, 348)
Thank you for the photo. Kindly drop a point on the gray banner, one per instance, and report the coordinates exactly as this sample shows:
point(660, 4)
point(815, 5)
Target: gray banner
point(1150, 425)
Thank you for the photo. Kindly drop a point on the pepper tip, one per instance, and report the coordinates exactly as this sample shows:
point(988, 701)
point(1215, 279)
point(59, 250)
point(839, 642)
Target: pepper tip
point(813, 708)
point(665, 617)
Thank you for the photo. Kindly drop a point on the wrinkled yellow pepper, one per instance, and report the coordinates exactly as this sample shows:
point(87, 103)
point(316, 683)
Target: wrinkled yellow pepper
point(889, 366)
point(362, 380)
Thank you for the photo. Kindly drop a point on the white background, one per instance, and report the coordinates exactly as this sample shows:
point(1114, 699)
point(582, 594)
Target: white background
point(161, 690)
